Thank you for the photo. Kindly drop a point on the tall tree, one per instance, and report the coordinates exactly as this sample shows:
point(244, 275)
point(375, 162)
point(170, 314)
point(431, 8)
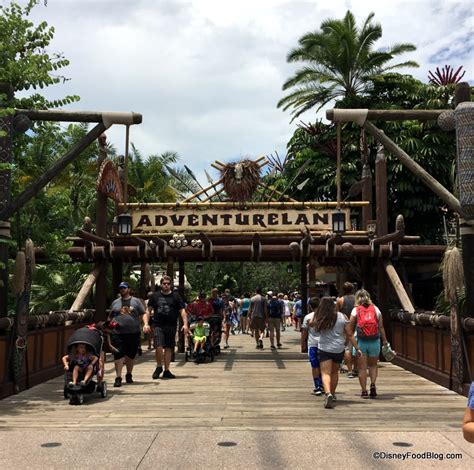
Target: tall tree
point(339, 62)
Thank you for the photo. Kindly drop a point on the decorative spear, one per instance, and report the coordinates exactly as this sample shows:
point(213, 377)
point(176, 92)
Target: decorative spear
point(173, 173)
point(299, 172)
point(193, 176)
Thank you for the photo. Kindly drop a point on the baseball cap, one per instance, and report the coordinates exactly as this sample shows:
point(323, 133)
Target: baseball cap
point(123, 285)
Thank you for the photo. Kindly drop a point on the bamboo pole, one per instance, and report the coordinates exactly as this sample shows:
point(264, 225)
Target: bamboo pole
point(247, 205)
point(398, 287)
point(69, 116)
point(52, 172)
point(397, 114)
point(85, 289)
point(202, 191)
point(415, 168)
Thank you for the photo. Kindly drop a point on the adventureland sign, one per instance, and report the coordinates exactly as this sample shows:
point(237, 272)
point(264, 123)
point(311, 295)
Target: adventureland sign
point(232, 220)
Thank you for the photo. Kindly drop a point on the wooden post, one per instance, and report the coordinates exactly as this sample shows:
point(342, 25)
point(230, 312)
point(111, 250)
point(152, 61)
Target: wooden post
point(304, 286)
point(414, 167)
point(101, 231)
point(338, 163)
point(312, 277)
point(398, 287)
point(85, 289)
point(382, 229)
point(181, 342)
point(117, 274)
point(6, 156)
point(170, 270)
point(46, 177)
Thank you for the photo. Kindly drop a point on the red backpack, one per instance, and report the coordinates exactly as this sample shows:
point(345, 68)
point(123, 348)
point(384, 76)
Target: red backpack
point(367, 322)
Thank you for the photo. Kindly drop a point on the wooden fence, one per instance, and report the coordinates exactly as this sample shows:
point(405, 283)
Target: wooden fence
point(46, 344)
point(425, 349)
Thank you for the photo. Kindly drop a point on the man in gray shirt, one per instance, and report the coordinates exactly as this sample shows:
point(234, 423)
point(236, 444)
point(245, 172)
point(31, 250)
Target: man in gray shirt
point(258, 313)
point(127, 312)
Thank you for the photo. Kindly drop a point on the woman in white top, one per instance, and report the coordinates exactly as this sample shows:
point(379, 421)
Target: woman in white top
point(333, 327)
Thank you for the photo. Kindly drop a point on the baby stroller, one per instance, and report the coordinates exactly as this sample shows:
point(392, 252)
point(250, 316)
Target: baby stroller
point(201, 355)
point(93, 339)
point(215, 334)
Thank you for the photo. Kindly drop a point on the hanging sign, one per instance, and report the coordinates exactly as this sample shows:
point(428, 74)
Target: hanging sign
point(108, 181)
point(165, 220)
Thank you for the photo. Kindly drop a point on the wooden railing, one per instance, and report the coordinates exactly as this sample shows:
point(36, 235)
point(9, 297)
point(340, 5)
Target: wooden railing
point(46, 344)
point(423, 344)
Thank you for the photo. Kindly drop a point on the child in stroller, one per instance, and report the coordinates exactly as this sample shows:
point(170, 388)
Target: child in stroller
point(82, 362)
point(199, 347)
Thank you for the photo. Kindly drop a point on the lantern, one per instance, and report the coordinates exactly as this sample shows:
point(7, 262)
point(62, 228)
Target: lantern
point(339, 222)
point(124, 224)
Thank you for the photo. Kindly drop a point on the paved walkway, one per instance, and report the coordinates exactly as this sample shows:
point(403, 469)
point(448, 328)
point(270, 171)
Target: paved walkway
point(249, 408)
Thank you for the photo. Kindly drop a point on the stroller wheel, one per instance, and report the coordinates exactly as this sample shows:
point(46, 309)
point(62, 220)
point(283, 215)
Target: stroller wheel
point(80, 398)
point(66, 392)
point(73, 400)
point(103, 390)
point(186, 356)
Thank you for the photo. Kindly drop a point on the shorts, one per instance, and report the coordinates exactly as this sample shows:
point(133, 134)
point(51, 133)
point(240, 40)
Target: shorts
point(313, 357)
point(244, 313)
point(274, 323)
point(257, 323)
point(127, 345)
point(328, 356)
point(165, 336)
point(199, 338)
point(369, 347)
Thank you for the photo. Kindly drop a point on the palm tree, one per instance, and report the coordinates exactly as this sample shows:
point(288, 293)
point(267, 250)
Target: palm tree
point(339, 63)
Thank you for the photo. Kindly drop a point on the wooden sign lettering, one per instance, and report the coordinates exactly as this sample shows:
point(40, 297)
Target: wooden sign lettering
point(231, 220)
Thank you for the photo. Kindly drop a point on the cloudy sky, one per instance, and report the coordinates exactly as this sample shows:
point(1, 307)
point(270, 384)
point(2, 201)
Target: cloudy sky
point(207, 75)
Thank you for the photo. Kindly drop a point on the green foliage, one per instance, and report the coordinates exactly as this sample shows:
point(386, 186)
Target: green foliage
point(25, 61)
point(339, 61)
point(425, 142)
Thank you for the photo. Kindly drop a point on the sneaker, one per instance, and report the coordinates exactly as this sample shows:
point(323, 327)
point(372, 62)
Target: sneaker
point(157, 372)
point(168, 375)
point(260, 343)
point(118, 382)
point(318, 391)
point(82, 383)
point(272, 347)
point(373, 391)
point(257, 347)
point(226, 346)
point(128, 378)
point(364, 394)
point(328, 401)
point(71, 384)
point(279, 345)
point(334, 398)
point(351, 375)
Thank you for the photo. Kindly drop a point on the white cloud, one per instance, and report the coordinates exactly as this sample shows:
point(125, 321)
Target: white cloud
point(207, 75)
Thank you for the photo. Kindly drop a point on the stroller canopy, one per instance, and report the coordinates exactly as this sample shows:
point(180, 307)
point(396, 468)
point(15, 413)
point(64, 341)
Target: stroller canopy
point(90, 337)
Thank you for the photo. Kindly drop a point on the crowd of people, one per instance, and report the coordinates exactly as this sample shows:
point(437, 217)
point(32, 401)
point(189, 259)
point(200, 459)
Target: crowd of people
point(347, 330)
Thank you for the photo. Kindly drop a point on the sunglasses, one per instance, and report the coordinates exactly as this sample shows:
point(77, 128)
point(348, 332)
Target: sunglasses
point(166, 283)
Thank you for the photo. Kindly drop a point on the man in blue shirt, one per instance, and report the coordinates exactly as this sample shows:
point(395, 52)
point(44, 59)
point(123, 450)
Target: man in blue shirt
point(298, 312)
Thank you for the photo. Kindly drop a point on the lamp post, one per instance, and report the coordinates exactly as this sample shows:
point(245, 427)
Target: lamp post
point(199, 268)
point(289, 269)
